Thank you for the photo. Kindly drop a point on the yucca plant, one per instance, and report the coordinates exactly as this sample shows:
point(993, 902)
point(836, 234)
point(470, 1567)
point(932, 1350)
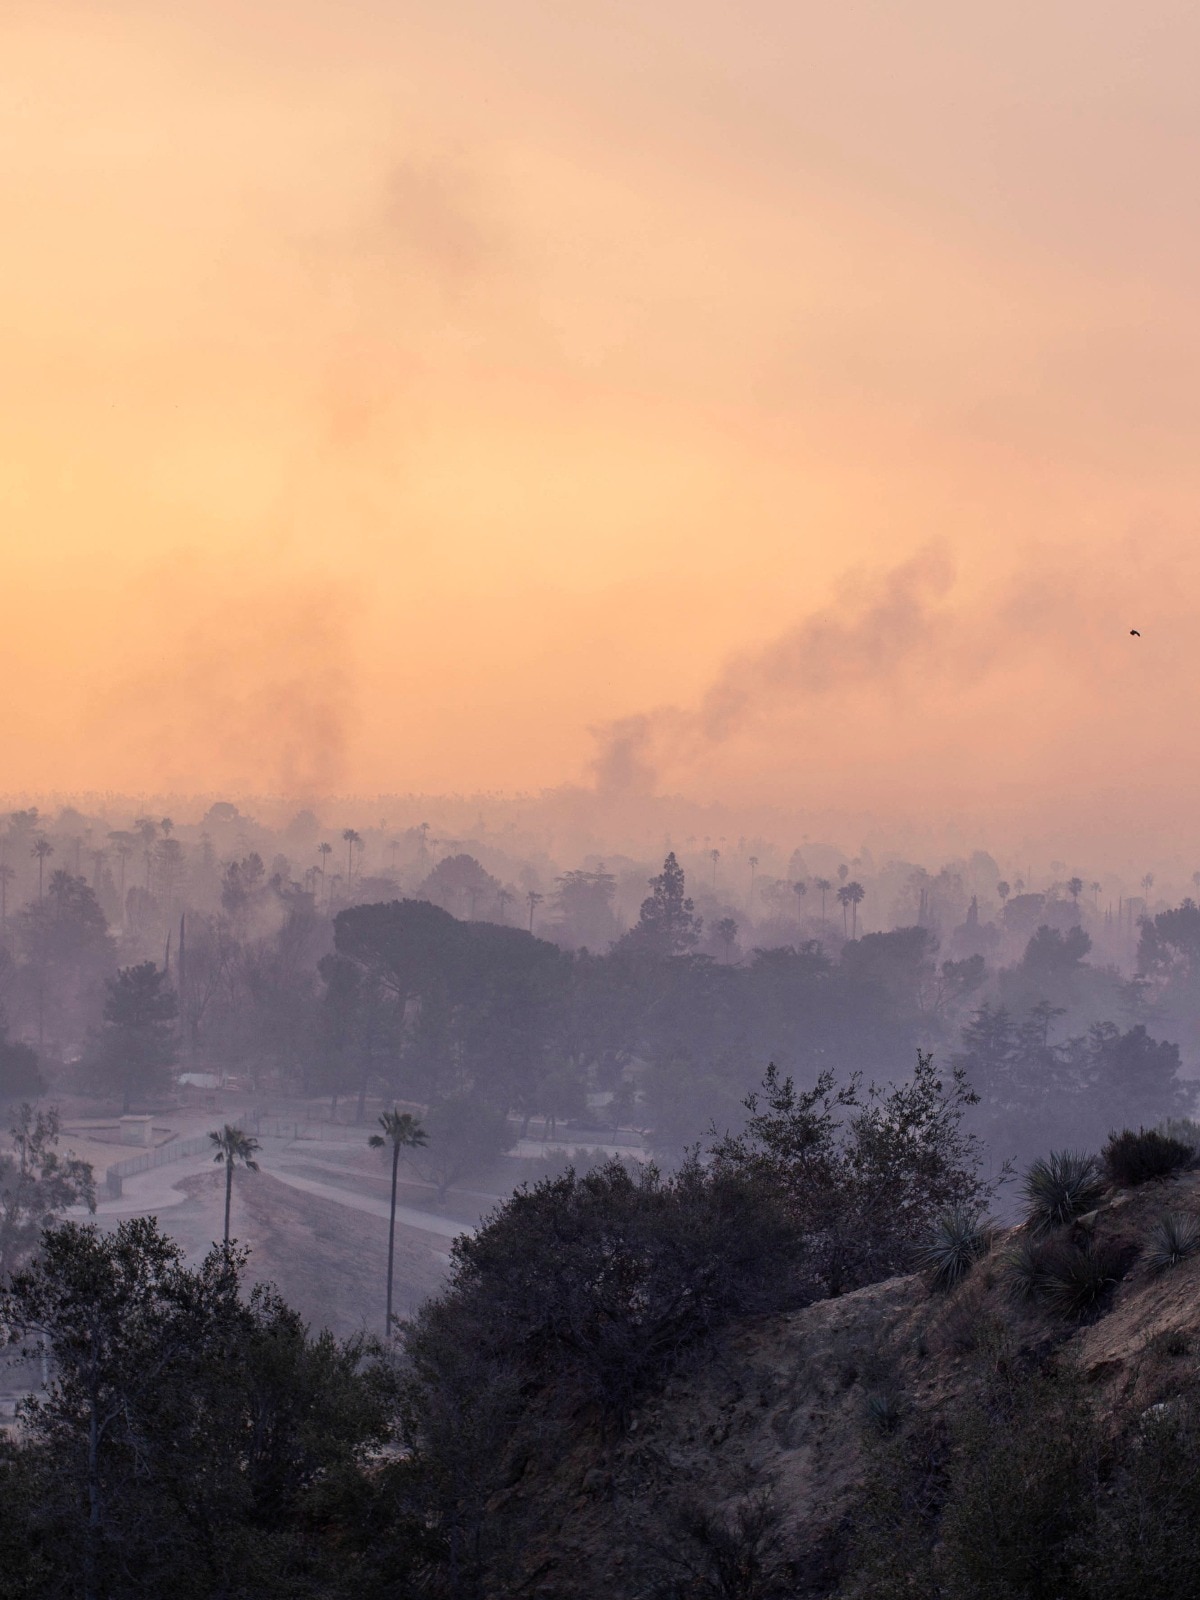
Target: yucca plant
point(1076, 1278)
point(1060, 1187)
point(1024, 1269)
point(959, 1237)
point(884, 1410)
point(1174, 1237)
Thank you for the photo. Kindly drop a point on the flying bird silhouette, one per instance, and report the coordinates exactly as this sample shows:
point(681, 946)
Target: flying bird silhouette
point(1134, 634)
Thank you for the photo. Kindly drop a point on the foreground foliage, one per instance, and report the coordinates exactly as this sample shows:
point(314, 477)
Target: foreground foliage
point(191, 1441)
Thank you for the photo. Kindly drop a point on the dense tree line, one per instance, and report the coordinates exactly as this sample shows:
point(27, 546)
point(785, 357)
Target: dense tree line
point(478, 1021)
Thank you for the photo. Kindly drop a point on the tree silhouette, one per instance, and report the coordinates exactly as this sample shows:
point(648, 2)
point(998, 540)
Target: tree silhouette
point(133, 1052)
point(502, 898)
point(1095, 888)
point(753, 870)
point(726, 932)
point(233, 1145)
point(1148, 883)
point(1003, 890)
point(41, 849)
point(403, 1132)
point(799, 889)
point(535, 899)
point(147, 829)
point(843, 873)
point(351, 838)
point(714, 855)
point(843, 899)
point(324, 851)
point(1075, 889)
point(122, 843)
point(854, 893)
point(824, 885)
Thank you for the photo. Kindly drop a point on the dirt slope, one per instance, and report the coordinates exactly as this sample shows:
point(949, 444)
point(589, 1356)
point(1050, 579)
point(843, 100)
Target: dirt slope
point(785, 1403)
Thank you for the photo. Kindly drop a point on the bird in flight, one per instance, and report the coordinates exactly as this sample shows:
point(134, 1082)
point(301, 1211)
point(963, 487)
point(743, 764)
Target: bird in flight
point(1134, 634)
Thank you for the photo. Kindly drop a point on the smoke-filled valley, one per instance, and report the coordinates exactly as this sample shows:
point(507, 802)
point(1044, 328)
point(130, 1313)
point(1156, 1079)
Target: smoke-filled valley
point(425, 1078)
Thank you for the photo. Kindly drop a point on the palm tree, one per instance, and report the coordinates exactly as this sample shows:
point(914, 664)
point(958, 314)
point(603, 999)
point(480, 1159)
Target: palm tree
point(403, 1132)
point(753, 870)
point(854, 893)
point(1148, 883)
point(534, 899)
point(843, 899)
point(123, 844)
point(41, 849)
point(824, 885)
point(1003, 890)
point(351, 838)
point(714, 855)
point(233, 1145)
point(503, 897)
point(324, 851)
point(799, 889)
point(1095, 888)
point(1075, 889)
point(843, 872)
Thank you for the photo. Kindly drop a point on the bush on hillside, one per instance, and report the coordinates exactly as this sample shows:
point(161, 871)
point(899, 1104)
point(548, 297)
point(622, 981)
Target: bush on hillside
point(1133, 1158)
point(960, 1236)
point(1060, 1187)
point(1174, 1237)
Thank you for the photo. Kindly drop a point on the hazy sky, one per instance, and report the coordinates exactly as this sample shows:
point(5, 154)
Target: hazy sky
point(399, 396)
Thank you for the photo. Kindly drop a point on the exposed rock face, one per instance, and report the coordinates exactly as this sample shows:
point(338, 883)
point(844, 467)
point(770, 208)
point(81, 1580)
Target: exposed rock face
point(786, 1409)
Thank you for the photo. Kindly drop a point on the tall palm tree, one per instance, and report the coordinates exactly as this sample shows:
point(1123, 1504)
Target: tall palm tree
point(534, 899)
point(753, 870)
point(502, 899)
point(854, 893)
point(1075, 889)
point(714, 855)
point(324, 851)
point(843, 899)
point(799, 889)
point(233, 1145)
point(403, 1132)
point(824, 885)
point(41, 849)
point(352, 838)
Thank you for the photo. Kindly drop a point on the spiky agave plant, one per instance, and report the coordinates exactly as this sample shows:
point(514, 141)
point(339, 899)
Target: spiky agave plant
point(883, 1410)
point(1075, 1278)
point(1060, 1187)
point(1174, 1237)
point(959, 1237)
point(1024, 1269)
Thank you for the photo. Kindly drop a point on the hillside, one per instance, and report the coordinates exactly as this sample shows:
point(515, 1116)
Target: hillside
point(777, 1446)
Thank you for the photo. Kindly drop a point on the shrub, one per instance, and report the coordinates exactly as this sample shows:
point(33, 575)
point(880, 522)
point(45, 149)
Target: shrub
point(1132, 1158)
point(883, 1410)
point(1075, 1279)
point(1067, 1278)
point(959, 1237)
point(1063, 1185)
point(1175, 1236)
point(1023, 1269)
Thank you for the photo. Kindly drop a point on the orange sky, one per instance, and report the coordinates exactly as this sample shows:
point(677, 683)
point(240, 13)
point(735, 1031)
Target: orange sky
point(394, 395)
